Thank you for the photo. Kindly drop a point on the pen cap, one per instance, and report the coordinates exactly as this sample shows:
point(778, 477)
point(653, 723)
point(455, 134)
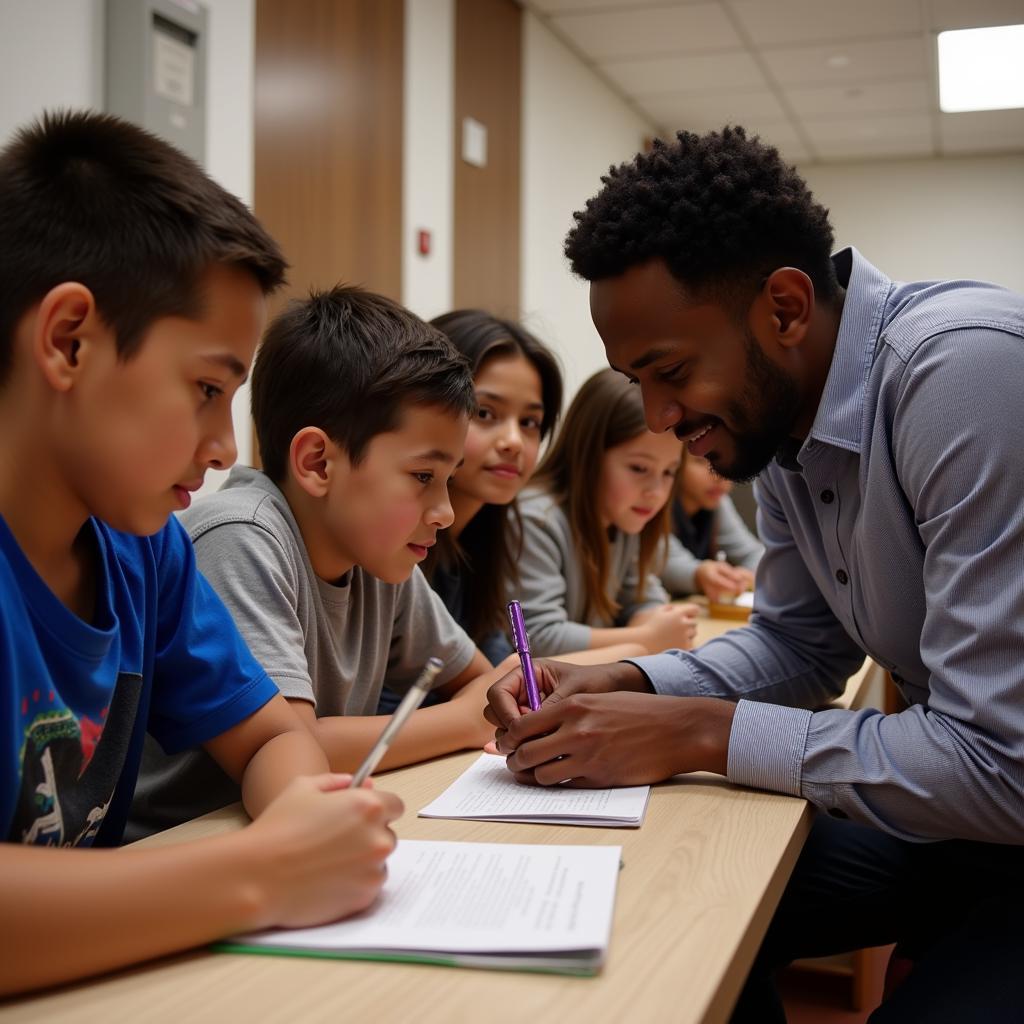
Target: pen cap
point(520, 638)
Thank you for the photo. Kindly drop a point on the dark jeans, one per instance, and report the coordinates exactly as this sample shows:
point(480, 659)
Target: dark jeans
point(956, 908)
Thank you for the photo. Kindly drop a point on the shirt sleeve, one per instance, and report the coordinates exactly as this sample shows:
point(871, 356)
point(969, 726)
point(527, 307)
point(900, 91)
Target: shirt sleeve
point(260, 581)
point(794, 651)
point(423, 628)
point(205, 680)
point(544, 590)
point(679, 572)
point(951, 768)
point(741, 547)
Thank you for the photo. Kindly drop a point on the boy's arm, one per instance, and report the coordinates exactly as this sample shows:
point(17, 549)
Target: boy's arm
point(458, 724)
point(315, 855)
point(265, 751)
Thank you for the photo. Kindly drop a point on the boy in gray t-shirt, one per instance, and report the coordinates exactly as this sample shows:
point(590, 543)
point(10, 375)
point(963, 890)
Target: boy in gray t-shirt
point(361, 412)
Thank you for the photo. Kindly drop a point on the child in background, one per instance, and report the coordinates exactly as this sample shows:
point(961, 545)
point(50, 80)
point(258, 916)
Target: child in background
point(710, 549)
point(594, 522)
point(361, 411)
point(518, 388)
point(132, 295)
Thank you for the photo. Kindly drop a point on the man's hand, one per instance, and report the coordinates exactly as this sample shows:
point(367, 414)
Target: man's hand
point(557, 680)
point(617, 739)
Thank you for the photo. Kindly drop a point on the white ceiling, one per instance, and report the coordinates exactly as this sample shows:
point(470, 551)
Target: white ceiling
point(820, 79)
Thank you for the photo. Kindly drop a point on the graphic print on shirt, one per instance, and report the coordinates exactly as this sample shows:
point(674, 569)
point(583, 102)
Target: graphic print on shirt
point(70, 768)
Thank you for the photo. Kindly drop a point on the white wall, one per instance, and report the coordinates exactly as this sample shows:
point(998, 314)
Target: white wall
point(923, 219)
point(229, 144)
point(42, 68)
point(51, 55)
point(428, 171)
point(574, 128)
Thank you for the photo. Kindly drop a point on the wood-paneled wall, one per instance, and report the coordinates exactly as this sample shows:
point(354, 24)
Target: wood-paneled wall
point(488, 88)
point(328, 139)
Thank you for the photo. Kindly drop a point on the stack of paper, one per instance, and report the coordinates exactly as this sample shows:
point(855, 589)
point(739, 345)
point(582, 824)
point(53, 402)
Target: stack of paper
point(509, 906)
point(487, 791)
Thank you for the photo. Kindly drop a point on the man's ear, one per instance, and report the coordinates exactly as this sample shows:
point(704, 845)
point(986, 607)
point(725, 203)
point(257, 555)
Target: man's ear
point(788, 296)
point(66, 332)
point(313, 458)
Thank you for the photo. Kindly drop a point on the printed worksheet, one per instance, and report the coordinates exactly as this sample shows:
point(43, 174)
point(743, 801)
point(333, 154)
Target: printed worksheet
point(505, 905)
point(488, 791)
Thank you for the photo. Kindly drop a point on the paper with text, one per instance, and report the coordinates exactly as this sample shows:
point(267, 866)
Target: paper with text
point(488, 791)
point(479, 904)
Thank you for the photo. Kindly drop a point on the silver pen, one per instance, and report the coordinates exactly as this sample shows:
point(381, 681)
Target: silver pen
point(409, 703)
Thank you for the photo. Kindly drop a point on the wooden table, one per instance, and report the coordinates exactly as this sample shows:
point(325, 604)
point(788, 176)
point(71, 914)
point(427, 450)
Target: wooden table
point(700, 882)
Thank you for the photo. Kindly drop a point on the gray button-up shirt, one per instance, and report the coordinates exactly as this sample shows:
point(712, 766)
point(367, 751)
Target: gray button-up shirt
point(896, 530)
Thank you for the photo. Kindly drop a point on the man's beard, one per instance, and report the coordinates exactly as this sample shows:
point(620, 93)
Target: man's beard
point(764, 414)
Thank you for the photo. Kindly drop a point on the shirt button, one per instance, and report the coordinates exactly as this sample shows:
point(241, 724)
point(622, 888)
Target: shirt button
point(828, 497)
point(842, 577)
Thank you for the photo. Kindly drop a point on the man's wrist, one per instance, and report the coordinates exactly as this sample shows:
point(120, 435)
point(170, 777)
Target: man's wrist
point(716, 726)
point(627, 676)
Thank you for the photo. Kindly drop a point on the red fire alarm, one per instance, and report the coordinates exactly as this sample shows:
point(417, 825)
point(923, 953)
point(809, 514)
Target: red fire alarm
point(423, 243)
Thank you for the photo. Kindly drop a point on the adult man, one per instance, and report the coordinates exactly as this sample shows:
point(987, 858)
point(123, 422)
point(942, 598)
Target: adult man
point(882, 423)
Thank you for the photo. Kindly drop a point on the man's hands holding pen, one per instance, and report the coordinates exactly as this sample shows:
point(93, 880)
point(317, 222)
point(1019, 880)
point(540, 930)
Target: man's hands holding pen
point(603, 726)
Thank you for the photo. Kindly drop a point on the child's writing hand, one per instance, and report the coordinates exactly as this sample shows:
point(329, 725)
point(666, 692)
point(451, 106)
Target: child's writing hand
point(320, 850)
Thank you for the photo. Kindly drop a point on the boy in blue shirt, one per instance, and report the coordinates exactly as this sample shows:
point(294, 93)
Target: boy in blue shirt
point(132, 295)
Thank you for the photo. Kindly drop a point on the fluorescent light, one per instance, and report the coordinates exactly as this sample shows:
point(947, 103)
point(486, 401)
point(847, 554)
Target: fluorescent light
point(981, 69)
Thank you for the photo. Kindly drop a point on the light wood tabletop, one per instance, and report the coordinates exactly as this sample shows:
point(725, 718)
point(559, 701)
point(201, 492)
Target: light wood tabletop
point(699, 883)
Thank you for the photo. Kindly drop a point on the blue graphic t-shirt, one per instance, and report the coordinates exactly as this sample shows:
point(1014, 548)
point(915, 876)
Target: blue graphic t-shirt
point(162, 654)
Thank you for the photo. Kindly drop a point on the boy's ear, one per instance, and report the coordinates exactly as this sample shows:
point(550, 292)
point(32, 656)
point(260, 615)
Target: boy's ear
point(313, 457)
point(67, 327)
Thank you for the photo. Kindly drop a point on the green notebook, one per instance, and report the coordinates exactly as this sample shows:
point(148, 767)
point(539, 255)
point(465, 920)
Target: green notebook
point(518, 907)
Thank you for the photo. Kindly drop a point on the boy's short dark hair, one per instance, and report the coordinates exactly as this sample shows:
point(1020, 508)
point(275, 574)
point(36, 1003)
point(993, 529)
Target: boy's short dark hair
point(90, 198)
point(349, 362)
point(721, 210)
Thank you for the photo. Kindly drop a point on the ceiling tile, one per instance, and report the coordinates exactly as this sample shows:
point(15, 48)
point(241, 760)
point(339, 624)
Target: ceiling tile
point(787, 22)
point(863, 98)
point(855, 137)
point(866, 129)
point(714, 109)
point(982, 131)
point(877, 149)
point(949, 14)
point(648, 32)
point(849, 62)
point(694, 73)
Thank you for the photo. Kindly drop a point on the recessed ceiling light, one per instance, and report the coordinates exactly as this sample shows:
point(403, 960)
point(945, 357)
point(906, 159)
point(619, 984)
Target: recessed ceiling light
point(981, 69)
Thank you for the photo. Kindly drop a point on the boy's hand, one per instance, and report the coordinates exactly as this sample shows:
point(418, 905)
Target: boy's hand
point(471, 700)
point(321, 850)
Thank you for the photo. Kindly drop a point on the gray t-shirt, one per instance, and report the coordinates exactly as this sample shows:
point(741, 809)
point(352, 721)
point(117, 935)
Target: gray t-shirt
point(331, 644)
point(551, 586)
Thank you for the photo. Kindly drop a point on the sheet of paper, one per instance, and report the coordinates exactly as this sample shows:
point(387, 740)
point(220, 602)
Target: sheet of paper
point(476, 898)
point(746, 599)
point(488, 791)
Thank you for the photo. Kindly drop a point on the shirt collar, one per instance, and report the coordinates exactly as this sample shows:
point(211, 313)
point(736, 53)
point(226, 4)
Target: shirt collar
point(840, 417)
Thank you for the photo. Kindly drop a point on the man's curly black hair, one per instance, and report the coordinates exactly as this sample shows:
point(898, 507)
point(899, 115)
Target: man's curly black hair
point(722, 210)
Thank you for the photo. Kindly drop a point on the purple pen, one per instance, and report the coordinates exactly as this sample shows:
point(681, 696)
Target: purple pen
point(522, 641)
